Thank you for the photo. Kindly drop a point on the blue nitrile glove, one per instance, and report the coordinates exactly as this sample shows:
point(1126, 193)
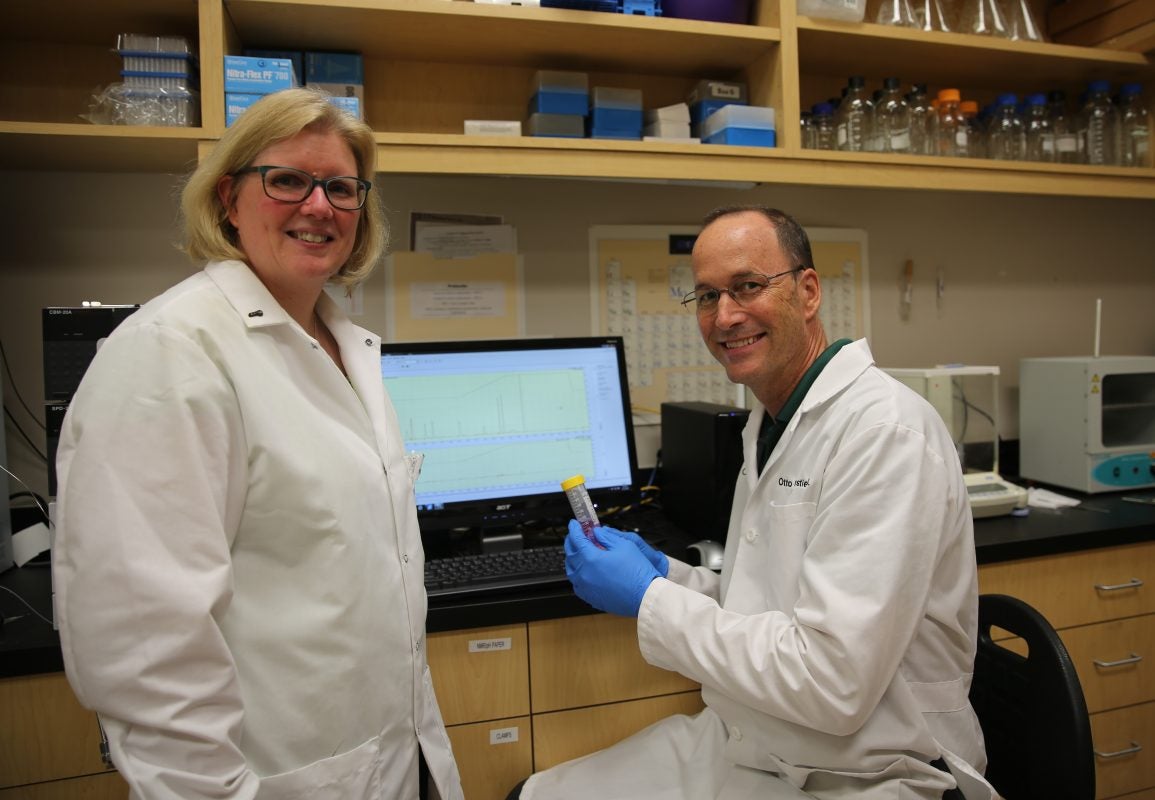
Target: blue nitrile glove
point(612, 579)
point(655, 557)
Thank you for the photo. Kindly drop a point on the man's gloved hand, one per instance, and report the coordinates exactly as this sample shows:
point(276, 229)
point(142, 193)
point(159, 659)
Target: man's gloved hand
point(613, 579)
point(655, 557)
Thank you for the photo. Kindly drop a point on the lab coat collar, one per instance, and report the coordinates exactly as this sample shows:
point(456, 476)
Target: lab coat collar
point(343, 328)
point(253, 302)
point(353, 341)
point(848, 363)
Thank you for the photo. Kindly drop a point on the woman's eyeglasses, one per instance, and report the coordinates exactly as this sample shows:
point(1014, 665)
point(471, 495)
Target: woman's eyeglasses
point(293, 186)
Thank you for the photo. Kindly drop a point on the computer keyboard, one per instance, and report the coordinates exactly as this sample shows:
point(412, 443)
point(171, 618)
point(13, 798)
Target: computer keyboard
point(494, 572)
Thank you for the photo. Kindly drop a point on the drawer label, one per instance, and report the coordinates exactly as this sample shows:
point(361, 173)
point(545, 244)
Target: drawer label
point(503, 735)
point(490, 645)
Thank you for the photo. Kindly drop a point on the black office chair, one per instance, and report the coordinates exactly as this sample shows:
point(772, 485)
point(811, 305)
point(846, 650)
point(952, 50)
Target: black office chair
point(1032, 711)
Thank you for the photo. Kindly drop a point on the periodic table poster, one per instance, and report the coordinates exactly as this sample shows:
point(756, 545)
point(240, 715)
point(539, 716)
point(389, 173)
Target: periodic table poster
point(639, 274)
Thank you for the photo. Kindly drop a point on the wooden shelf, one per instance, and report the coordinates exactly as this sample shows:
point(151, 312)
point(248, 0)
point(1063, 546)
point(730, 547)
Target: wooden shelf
point(656, 161)
point(35, 21)
point(955, 59)
point(54, 147)
point(432, 63)
point(468, 33)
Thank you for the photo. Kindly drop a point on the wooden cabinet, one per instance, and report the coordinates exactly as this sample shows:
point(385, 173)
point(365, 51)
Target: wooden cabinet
point(50, 745)
point(492, 756)
point(590, 688)
point(480, 674)
point(481, 677)
point(1102, 602)
point(592, 660)
point(563, 735)
point(431, 65)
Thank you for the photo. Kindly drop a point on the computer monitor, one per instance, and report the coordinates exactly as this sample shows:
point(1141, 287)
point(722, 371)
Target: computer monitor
point(501, 423)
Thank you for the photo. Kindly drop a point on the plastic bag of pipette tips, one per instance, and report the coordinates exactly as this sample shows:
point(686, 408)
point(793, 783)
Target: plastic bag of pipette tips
point(121, 104)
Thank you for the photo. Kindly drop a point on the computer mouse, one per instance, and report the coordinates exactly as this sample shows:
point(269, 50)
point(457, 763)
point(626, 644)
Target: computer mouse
point(705, 553)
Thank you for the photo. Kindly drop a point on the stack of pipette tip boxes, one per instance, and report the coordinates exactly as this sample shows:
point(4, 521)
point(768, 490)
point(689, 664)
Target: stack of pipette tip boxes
point(616, 113)
point(668, 123)
point(160, 81)
point(719, 114)
point(559, 104)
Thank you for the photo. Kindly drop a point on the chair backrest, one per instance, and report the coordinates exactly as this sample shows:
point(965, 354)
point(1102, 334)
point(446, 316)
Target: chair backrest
point(1032, 710)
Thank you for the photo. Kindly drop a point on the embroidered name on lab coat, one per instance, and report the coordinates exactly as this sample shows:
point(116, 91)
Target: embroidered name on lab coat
point(794, 483)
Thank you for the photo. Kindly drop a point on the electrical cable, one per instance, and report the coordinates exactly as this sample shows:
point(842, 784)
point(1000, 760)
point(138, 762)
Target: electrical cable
point(26, 604)
point(15, 388)
point(39, 500)
point(27, 439)
point(35, 497)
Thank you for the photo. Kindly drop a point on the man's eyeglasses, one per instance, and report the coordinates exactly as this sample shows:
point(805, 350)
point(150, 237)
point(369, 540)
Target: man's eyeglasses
point(293, 186)
point(742, 291)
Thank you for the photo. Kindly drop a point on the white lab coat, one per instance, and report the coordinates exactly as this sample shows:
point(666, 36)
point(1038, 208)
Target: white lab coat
point(237, 563)
point(835, 651)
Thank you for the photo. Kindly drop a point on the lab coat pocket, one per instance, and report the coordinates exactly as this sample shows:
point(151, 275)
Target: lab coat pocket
point(354, 773)
point(772, 539)
point(845, 783)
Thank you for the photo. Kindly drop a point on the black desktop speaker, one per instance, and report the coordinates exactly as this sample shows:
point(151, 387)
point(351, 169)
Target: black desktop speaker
point(700, 458)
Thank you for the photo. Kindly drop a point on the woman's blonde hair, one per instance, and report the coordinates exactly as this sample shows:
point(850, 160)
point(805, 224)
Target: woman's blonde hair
point(209, 236)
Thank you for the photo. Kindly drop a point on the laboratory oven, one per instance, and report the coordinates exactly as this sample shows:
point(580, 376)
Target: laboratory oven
point(1088, 423)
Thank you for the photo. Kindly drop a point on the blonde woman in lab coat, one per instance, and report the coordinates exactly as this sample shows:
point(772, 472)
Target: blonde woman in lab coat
point(237, 562)
point(835, 649)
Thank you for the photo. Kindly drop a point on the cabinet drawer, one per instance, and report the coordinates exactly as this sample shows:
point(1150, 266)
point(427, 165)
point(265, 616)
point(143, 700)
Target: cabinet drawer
point(563, 735)
point(45, 734)
point(1079, 588)
point(583, 661)
point(1118, 731)
point(492, 756)
point(480, 674)
point(1115, 661)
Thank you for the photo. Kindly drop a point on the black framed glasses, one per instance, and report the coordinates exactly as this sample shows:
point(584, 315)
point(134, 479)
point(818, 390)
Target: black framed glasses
point(746, 289)
point(291, 185)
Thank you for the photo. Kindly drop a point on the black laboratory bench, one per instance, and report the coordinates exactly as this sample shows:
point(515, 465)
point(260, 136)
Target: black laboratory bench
point(29, 645)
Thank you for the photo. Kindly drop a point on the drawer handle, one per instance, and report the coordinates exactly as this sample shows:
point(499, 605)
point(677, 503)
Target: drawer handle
point(1134, 583)
point(1134, 658)
point(1127, 751)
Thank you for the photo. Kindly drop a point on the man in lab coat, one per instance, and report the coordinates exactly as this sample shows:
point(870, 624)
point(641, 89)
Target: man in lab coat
point(835, 649)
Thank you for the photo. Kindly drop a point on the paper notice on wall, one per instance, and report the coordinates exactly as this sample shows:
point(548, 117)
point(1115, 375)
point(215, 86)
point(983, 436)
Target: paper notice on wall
point(458, 299)
point(429, 298)
point(463, 241)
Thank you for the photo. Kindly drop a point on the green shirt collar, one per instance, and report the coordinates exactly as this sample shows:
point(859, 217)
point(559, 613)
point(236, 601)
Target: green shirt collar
point(772, 427)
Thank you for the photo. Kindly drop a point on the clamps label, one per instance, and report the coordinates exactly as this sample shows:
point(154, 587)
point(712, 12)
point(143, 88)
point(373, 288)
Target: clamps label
point(503, 735)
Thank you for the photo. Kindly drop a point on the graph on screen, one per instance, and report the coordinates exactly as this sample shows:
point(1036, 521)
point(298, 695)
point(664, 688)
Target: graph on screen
point(482, 405)
point(497, 425)
point(484, 433)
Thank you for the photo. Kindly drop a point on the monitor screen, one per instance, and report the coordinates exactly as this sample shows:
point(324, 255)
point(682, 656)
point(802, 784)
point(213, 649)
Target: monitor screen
point(501, 423)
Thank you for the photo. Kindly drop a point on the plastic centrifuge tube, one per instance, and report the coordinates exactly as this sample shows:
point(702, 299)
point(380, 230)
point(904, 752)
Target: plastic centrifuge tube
point(583, 507)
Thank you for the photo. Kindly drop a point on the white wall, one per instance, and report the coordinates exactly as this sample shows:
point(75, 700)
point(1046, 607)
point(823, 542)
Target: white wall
point(1022, 273)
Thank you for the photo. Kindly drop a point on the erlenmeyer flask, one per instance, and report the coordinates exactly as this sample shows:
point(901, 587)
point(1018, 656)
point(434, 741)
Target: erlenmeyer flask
point(931, 16)
point(896, 12)
point(983, 17)
point(1020, 22)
